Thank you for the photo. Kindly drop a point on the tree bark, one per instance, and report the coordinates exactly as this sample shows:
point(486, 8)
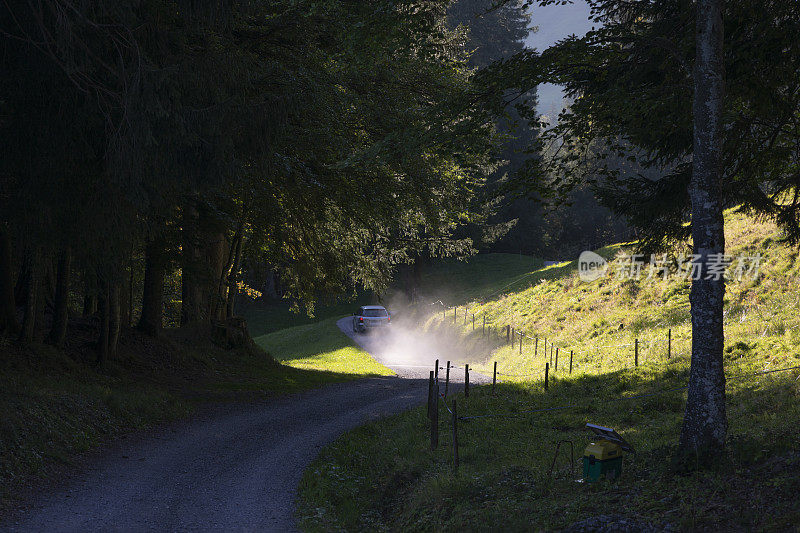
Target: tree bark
point(114, 325)
point(30, 293)
point(233, 288)
point(124, 300)
point(21, 287)
point(49, 282)
point(705, 420)
point(8, 306)
point(58, 331)
point(217, 250)
point(89, 294)
point(153, 295)
point(103, 309)
point(192, 283)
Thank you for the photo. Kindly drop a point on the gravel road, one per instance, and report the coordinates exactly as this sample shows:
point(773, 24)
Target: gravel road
point(233, 468)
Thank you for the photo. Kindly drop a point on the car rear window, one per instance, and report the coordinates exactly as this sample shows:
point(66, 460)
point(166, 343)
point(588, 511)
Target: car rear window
point(375, 312)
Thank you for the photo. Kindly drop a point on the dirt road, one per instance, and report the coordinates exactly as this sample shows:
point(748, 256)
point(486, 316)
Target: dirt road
point(234, 468)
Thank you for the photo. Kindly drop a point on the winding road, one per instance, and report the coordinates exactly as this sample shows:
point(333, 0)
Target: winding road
point(233, 468)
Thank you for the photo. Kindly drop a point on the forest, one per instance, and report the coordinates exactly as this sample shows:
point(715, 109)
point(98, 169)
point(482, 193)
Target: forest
point(195, 149)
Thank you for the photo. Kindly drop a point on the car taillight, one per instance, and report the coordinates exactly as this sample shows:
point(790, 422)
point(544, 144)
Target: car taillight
point(388, 318)
point(361, 319)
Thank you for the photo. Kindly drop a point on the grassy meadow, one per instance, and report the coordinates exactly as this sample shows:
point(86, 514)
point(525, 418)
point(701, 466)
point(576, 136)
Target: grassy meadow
point(505, 479)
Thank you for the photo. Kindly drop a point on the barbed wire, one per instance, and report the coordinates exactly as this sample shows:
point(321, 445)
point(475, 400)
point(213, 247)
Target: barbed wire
point(622, 398)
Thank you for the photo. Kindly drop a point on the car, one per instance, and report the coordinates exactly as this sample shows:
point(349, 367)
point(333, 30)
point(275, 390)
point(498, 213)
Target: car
point(370, 317)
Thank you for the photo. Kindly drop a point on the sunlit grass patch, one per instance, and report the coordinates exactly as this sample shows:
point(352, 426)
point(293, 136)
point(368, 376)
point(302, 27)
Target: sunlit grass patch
point(323, 347)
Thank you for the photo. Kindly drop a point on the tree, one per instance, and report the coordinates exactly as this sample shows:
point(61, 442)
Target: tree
point(705, 423)
point(334, 140)
point(647, 85)
point(495, 34)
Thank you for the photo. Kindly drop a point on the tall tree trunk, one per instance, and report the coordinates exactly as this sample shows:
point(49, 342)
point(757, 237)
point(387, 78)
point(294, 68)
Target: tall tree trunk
point(123, 303)
point(129, 320)
point(8, 307)
point(217, 250)
point(233, 288)
point(705, 422)
point(31, 293)
point(58, 331)
point(104, 310)
point(192, 271)
point(21, 288)
point(89, 294)
point(49, 282)
point(153, 294)
point(113, 320)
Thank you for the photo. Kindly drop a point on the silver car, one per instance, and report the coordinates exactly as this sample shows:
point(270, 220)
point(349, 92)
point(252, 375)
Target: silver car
point(370, 317)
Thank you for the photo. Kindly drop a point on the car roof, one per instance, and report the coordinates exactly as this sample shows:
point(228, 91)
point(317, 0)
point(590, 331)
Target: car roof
point(372, 307)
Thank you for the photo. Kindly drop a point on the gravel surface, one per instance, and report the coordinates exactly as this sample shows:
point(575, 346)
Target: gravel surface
point(236, 467)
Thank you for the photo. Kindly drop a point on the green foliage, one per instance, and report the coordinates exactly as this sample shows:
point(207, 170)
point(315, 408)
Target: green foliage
point(336, 140)
point(631, 120)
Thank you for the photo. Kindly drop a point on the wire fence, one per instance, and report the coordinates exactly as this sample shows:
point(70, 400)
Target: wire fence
point(580, 356)
point(435, 396)
point(622, 354)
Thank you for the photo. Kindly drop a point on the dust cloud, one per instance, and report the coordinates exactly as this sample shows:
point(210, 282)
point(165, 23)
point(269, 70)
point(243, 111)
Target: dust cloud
point(418, 336)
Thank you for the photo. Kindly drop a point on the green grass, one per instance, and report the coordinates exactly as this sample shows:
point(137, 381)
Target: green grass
point(478, 277)
point(383, 477)
point(274, 316)
point(321, 347)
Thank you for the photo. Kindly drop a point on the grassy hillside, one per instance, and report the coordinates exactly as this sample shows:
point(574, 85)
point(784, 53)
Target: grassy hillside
point(506, 453)
point(456, 281)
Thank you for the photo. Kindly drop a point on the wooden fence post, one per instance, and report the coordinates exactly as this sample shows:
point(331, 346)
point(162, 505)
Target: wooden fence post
point(473, 321)
point(508, 334)
point(512, 338)
point(669, 343)
point(546, 373)
point(436, 371)
point(636, 352)
point(435, 419)
point(447, 379)
point(455, 314)
point(494, 377)
point(570, 361)
point(555, 369)
point(466, 381)
point(535, 346)
point(430, 394)
point(455, 435)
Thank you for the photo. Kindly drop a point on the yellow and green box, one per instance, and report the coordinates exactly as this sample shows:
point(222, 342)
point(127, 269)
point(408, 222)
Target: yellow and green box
point(602, 458)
